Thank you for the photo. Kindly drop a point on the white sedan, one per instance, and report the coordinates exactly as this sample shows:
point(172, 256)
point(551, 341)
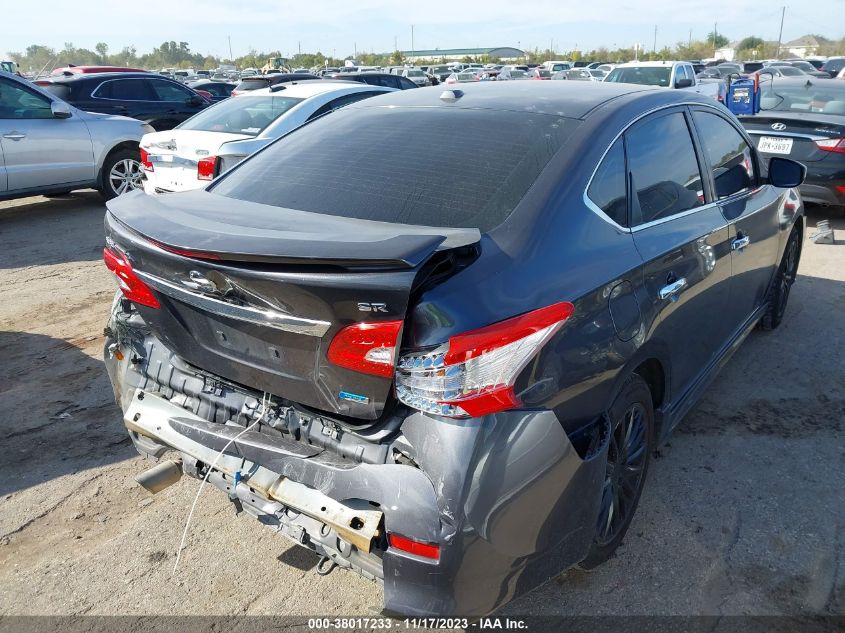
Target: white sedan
point(216, 139)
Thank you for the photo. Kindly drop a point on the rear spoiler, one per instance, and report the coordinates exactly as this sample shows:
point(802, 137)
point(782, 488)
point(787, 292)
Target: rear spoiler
point(208, 226)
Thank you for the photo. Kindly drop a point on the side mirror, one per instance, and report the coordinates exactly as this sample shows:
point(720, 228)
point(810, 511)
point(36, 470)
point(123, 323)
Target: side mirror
point(60, 110)
point(683, 83)
point(786, 173)
point(195, 100)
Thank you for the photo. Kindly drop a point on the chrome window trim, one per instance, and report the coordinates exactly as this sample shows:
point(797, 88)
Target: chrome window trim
point(592, 206)
point(267, 318)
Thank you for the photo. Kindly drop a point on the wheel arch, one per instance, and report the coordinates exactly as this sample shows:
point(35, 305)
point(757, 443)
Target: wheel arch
point(119, 146)
point(652, 364)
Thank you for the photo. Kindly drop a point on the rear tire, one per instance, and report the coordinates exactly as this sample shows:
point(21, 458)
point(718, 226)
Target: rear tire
point(122, 172)
point(631, 445)
point(782, 283)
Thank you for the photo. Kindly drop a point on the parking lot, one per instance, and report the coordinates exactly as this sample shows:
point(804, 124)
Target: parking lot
point(743, 513)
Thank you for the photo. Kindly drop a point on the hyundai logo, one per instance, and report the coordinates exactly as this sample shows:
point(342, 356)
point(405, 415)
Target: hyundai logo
point(778, 126)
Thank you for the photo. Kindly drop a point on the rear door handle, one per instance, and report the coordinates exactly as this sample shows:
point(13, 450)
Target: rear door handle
point(671, 291)
point(741, 242)
point(14, 136)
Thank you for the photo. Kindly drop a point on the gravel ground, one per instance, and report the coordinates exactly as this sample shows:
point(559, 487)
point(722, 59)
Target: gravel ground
point(744, 511)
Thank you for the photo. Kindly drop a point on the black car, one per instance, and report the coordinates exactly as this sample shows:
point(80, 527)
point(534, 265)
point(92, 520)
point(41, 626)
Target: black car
point(387, 80)
point(804, 119)
point(265, 81)
point(833, 66)
point(455, 391)
point(219, 89)
point(159, 101)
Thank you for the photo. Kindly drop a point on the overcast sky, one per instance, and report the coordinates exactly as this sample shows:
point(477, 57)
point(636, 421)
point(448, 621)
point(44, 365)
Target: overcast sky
point(338, 26)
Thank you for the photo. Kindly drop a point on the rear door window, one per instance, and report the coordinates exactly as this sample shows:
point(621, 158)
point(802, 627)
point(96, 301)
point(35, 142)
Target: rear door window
point(730, 157)
point(664, 168)
point(378, 163)
point(125, 90)
point(607, 189)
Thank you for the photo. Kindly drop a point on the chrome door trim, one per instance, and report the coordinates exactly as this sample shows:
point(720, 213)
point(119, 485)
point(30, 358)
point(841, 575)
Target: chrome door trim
point(267, 318)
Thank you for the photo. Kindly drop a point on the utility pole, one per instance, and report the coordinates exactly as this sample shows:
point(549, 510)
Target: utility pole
point(355, 45)
point(715, 27)
point(780, 34)
point(395, 43)
point(231, 57)
point(689, 44)
point(299, 47)
point(654, 48)
point(412, 41)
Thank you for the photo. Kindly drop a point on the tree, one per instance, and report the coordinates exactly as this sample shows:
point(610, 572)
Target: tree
point(751, 43)
point(717, 40)
point(103, 51)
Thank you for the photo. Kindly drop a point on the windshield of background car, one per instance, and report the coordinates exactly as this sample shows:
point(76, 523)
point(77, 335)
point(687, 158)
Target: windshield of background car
point(441, 69)
point(378, 163)
point(240, 115)
point(415, 73)
point(643, 75)
point(252, 84)
point(812, 96)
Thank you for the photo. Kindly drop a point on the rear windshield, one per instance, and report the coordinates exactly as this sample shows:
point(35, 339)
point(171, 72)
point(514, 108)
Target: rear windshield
point(424, 166)
point(252, 84)
point(240, 115)
point(643, 75)
point(812, 96)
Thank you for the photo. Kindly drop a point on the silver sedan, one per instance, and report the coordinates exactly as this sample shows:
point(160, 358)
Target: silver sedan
point(48, 147)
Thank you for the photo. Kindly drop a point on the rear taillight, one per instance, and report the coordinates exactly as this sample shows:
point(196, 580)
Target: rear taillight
point(426, 550)
point(474, 373)
point(206, 168)
point(145, 160)
point(832, 145)
point(369, 348)
point(130, 284)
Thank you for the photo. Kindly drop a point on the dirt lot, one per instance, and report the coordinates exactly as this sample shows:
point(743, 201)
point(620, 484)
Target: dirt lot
point(744, 511)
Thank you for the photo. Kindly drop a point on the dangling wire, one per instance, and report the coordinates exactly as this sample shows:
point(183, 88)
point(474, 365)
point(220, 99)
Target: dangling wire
point(265, 401)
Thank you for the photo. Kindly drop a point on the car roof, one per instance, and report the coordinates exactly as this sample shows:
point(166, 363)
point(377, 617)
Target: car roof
point(90, 76)
point(559, 98)
point(652, 64)
point(306, 89)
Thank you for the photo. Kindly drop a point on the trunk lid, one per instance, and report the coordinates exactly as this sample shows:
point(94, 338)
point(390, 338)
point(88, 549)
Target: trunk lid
point(175, 154)
point(804, 129)
point(255, 294)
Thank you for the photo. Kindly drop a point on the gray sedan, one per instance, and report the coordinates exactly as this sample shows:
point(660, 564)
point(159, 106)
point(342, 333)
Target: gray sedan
point(48, 147)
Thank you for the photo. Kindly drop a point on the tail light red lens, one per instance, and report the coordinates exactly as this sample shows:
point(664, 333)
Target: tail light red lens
point(369, 348)
point(474, 373)
point(206, 168)
point(836, 145)
point(130, 284)
point(426, 550)
point(145, 160)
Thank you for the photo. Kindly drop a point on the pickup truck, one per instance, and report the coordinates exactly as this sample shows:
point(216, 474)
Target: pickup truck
point(679, 75)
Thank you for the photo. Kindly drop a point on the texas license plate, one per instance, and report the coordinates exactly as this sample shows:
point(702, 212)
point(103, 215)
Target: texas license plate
point(775, 145)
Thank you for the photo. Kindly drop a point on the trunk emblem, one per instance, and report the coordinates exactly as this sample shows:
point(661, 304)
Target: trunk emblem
point(778, 126)
point(353, 397)
point(198, 281)
point(372, 307)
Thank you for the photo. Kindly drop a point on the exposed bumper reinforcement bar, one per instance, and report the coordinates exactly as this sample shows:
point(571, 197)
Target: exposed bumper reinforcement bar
point(161, 421)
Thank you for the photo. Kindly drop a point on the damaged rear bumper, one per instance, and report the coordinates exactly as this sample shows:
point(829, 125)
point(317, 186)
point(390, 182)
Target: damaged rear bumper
point(510, 499)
